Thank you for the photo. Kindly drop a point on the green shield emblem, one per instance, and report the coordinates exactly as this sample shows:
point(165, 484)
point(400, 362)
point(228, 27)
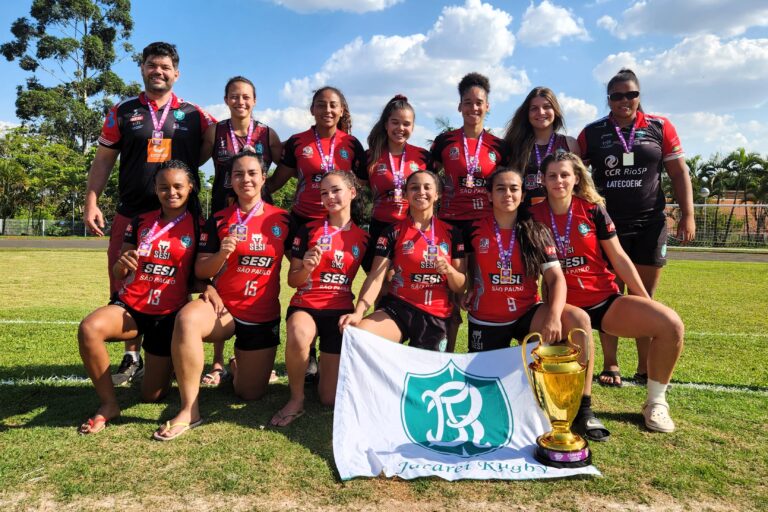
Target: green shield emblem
point(456, 413)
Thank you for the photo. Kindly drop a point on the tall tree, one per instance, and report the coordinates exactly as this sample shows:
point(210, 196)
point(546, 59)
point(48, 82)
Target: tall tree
point(74, 42)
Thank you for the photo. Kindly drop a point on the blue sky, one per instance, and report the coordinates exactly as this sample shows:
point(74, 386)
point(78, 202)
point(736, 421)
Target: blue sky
point(704, 65)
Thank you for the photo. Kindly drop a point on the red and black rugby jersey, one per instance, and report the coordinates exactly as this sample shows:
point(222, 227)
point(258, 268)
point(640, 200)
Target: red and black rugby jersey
point(533, 183)
point(381, 179)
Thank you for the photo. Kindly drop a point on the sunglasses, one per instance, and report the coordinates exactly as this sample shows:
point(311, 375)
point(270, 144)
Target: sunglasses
point(618, 96)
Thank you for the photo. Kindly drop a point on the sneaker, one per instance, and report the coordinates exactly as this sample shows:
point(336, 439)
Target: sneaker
point(657, 417)
point(311, 374)
point(128, 371)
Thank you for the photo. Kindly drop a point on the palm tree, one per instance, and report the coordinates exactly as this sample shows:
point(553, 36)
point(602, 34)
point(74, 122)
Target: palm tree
point(744, 169)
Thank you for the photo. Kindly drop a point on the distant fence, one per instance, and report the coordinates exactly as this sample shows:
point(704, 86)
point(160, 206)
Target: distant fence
point(724, 225)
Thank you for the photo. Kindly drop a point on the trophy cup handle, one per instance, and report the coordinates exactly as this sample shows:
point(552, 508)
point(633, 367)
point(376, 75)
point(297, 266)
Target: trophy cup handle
point(525, 364)
point(572, 344)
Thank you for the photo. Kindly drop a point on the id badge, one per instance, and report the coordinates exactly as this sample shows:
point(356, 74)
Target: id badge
point(398, 194)
point(158, 150)
point(470, 181)
point(628, 159)
point(239, 231)
point(432, 253)
point(145, 249)
point(506, 276)
point(324, 243)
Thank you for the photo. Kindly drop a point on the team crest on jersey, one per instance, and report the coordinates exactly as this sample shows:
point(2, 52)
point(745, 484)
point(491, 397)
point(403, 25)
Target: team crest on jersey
point(583, 229)
point(444, 247)
point(453, 154)
point(408, 247)
point(381, 169)
point(179, 115)
point(639, 134)
point(277, 231)
point(413, 167)
point(485, 244)
point(163, 251)
point(338, 260)
point(186, 241)
point(257, 242)
point(307, 152)
point(492, 156)
point(259, 148)
point(344, 154)
point(355, 251)
point(144, 232)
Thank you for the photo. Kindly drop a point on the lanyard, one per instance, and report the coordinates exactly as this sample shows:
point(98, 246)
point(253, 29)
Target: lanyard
point(472, 162)
point(248, 137)
point(152, 236)
point(240, 221)
point(328, 235)
point(398, 175)
point(627, 144)
point(430, 242)
point(506, 256)
point(549, 150)
point(158, 125)
point(562, 242)
point(326, 161)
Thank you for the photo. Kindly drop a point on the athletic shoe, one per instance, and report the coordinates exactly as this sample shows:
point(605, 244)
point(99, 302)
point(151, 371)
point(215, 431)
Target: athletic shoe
point(128, 371)
point(311, 374)
point(657, 417)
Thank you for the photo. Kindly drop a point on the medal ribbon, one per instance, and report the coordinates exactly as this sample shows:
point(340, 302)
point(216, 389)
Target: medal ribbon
point(326, 161)
point(152, 236)
point(562, 242)
point(506, 256)
point(549, 150)
point(159, 124)
point(398, 175)
point(472, 162)
point(248, 137)
point(627, 144)
point(430, 242)
point(331, 235)
point(250, 215)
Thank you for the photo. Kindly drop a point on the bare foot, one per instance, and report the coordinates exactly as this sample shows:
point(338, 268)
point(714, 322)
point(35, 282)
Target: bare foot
point(98, 421)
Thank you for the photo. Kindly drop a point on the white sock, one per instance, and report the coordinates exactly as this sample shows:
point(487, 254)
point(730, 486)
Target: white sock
point(134, 355)
point(657, 392)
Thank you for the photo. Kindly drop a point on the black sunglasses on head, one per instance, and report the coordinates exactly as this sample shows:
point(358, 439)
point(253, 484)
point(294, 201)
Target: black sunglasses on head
point(618, 96)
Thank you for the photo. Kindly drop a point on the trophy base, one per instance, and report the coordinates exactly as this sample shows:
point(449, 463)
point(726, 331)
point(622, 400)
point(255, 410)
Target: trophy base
point(556, 459)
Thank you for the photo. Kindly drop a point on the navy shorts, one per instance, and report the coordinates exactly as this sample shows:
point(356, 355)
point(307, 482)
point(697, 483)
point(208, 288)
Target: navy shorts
point(327, 325)
point(483, 337)
point(424, 330)
point(257, 336)
point(375, 228)
point(156, 329)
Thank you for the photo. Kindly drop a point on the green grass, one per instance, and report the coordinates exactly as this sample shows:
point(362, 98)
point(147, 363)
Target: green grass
point(717, 458)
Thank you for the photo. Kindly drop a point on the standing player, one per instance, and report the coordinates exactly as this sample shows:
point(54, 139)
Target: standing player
point(227, 138)
point(467, 157)
point(325, 258)
point(533, 134)
point(427, 255)
point(390, 161)
point(144, 132)
point(628, 151)
point(308, 155)
point(586, 244)
point(242, 248)
point(155, 267)
point(507, 251)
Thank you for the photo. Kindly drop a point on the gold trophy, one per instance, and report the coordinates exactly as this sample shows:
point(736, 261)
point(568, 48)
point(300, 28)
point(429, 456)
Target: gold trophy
point(557, 379)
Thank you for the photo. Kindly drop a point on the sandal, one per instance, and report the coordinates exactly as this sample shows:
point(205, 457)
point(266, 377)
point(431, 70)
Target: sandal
point(589, 427)
point(161, 434)
point(93, 425)
point(278, 419)
point(215, 377)
point(641, 379)
point(614, 375)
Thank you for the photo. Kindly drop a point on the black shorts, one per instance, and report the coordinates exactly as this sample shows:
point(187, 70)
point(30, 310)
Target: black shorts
point(257, 336)
point(598, 311)
point(483, 337)
point(327, 325)
point(156, 329)
point(645, 243)
point(375, 228)
point(295, 221)
point(424, 330)
point(463, 226)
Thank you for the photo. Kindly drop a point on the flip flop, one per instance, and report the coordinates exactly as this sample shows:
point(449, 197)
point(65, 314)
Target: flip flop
point(589, 427)
point(158, 435)
point(93, 425)
point(612, 374)
point(215, 377)
point(282, 417)
point(273, 377)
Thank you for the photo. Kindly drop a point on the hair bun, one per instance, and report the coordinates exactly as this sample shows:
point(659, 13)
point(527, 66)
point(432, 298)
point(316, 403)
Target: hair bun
point(399, 97)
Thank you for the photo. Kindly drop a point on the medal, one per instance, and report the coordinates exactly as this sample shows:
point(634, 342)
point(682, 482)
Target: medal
point(157, 132)
point(506, 276)
point(432, 253)
point(473, 162)
point(628, 158)
point(240, 229)
point(398, 175)
point(505, 256)
point(145, 249)
point(562, 242)
point(157, 135)
point(145, 246)
point(324, 242)
point(326, 161)
point(470, 181)
point(247, 146)
point(398, 194)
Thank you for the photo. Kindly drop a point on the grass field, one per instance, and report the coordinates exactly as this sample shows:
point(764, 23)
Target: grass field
point(717, 460)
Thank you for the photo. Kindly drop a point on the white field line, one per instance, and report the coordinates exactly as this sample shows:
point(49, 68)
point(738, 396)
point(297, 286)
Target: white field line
point(691, 333)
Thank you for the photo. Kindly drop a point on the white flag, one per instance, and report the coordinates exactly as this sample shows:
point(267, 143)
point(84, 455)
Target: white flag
point(411, 413)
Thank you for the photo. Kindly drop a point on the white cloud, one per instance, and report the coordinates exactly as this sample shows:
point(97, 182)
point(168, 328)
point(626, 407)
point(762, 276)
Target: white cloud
point(700, 73)
point(357, 6)
point(706, 133)
point(424, 67)
point(7, 125)
point(284, 121)
point(548, 24)
point(577, 113)
point(679, 17)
